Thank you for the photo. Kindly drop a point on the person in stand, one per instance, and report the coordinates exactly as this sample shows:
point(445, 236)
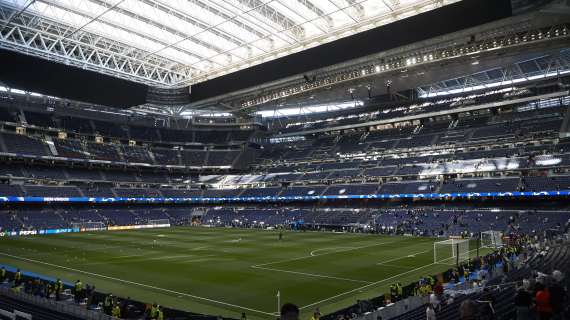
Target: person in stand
point(2, 275)
point(542, 299)
point(160, 314)
point(17, 278)
point(78, 291)
point(108, 304)
point(289, 311)
point(116, 312)
point(58, 289)
point(430, 313)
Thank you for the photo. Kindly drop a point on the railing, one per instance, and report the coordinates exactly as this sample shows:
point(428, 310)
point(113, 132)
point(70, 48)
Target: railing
point(56, 306)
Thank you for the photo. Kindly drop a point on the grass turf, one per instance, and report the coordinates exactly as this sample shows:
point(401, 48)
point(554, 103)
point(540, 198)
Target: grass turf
point(227, 271)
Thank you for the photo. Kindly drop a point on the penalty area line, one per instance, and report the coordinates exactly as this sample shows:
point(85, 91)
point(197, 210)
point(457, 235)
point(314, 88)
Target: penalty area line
point(310, 274)
point(366, 286)
point(311, 255)
point(137, 284)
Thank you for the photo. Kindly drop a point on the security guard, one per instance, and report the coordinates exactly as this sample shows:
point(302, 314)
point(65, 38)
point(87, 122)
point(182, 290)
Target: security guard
point(2, 275)
point(58, 289)
point(17, 278)
point(399, 291)
point(160, 314)
point(78, 291)
point(154, 311)
point(108, 304)
point(116, 312)
point(393, 292)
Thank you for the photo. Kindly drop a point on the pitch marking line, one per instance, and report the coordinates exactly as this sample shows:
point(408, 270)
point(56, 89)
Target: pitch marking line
point(377, 282)
point(325, 249)
point(366, 286)
point(310, 274)
point(413, 255)
point(138, 284)
point(322, 254)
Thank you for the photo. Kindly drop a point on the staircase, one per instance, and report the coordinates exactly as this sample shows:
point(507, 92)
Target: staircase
point(51, 146)
point(564, 128)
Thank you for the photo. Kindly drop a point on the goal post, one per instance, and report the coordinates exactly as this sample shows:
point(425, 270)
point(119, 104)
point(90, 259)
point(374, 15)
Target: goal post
point(89, 226)
point(491, 239)
point(451, 251)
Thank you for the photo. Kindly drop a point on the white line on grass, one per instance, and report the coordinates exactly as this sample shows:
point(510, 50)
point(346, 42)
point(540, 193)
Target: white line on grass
point(137, 284)
point(313, 253)
point(322, 254)
point(310, 274)
point(401, 258)
point(366, 286)
point(378, 282)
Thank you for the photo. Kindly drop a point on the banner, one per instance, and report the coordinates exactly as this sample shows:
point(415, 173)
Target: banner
point(269, 199)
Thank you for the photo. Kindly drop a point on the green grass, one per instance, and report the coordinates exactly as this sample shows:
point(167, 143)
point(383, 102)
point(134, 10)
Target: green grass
point(209, 271)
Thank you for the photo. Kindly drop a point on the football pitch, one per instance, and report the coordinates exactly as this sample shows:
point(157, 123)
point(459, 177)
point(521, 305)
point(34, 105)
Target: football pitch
point(222, 271)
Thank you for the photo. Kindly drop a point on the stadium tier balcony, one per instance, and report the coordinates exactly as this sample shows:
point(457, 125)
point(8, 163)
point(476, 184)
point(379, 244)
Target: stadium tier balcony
point(481, 185)
point(144, 133)
point(221, 193)
point(109, 129)
point(51, 191)
point(181, 193)
point(408, 187)
point(98, 192)
point(103, 151)
point(217, 137)
point(542, 183)
point(40, 119)
point(7, 115)
point(166, 156)
point(345, 174)
point(221, 158)
point(380, 171)
point(83, 126)
point(11, 170)
point(358, 189)
point(38, 172)
point(193, 157)
point(84, 174)
point(261, 192)
point(118, 176)
point(11, 190)
point(136, 154)
point(70, 149)
point(303, 191)
point(176, 135)
point(137, 193)
point(20, 144)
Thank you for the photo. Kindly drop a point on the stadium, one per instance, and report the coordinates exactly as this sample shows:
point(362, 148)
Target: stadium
point(284, 159)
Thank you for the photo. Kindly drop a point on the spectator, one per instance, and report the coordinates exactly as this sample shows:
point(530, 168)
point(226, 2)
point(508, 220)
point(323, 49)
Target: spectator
point(468, 310)
point(430, 312)
point(558, 295)
point(543, 306)
point(289, 311)
point(523, 302)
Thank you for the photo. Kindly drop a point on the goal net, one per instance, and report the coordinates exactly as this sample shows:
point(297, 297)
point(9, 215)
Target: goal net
point(491, 239)
point(89, 226)
point(159, 223)
point(450, 251)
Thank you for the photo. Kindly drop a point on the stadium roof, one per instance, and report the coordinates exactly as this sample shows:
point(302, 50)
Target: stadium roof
point(174, 43)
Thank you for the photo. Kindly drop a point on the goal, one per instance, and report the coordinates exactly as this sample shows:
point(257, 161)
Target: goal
point(451, 251)
point(491, 239)
point(89, 226)
point(159, 223)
